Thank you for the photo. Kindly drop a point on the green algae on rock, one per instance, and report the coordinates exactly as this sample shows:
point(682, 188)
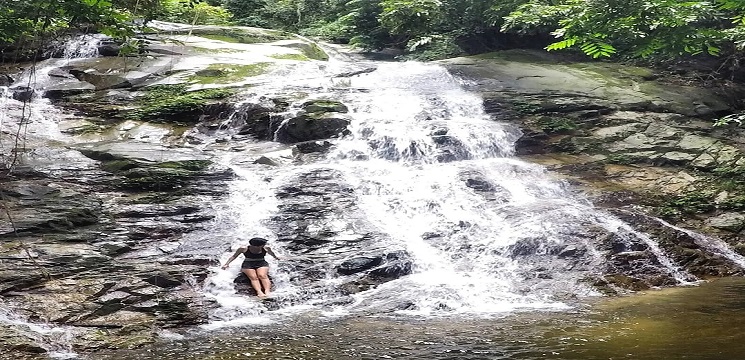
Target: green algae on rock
point(228, 73)
point(174, 103)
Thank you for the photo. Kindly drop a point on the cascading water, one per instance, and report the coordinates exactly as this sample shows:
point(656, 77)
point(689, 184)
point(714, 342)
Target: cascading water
point(54, 340)
point(434, 177)
point(38, 118)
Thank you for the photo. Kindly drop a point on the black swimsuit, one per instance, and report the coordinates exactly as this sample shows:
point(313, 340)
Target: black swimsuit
point(253, 260)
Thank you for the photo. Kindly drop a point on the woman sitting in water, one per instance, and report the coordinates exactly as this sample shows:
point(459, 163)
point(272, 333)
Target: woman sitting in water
point(254, 266)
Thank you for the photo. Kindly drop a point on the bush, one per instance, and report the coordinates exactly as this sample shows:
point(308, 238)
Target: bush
point(198, 13)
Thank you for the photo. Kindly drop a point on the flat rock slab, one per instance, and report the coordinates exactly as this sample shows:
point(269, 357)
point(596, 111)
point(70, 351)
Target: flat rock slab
point(139, 151)
point(531, 72)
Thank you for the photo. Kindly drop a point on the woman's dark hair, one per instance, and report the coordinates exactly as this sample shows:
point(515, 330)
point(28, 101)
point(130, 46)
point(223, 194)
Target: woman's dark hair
point(258, 241)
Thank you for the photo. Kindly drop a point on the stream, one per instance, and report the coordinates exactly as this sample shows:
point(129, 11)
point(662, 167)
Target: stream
point(701, 322)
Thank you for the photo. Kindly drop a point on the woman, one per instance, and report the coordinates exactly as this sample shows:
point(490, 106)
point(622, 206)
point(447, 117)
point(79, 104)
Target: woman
point(254, 266)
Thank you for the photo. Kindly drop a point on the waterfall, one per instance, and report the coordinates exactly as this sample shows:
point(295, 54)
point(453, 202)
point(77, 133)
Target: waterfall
point(55, 340)
point(83, 46)
point(432, 176)
point(715, 245)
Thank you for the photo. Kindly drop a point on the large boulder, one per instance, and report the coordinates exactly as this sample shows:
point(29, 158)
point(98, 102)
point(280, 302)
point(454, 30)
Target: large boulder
point(307, 127)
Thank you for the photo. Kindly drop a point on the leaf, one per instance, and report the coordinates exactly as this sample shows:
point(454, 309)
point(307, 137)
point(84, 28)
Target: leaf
point(561, 45)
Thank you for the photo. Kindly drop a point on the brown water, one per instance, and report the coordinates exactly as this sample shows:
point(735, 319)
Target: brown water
point(702, 322)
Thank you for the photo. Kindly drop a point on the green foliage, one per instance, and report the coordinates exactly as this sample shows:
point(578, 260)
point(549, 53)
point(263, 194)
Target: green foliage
point(20, 20)
point(738, 119)
point(556, 124)
point(194, 12)
point(640, 28)
point(228, 73)
point(690, 203)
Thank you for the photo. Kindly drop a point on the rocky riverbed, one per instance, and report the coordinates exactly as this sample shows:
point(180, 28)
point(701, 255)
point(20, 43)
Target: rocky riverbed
point(118, 177)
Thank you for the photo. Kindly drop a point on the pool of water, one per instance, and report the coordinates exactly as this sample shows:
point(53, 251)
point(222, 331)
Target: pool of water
point(698, 322)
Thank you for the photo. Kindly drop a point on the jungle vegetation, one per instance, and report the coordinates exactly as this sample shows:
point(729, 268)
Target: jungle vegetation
point(426, 28)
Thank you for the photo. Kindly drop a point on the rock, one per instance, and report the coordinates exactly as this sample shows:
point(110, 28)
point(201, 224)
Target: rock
point(306, 128)
point(527, 72)
point(61, 72)
point(114, 248)
point(266, 161)
point(104, 81)
point(67, 89)
point(569, 251)
point(309, 147)
point(696, 143)
point(480, 185)
point(358, 264)
point(22, 93)
point(392, 271)
point(257, 120)
point(734, 222)
point(676, 157)
point(6, 80)
point(109, 48)
point(163, 280)
point(324, 106)
point(356, 72)
point(310, 50)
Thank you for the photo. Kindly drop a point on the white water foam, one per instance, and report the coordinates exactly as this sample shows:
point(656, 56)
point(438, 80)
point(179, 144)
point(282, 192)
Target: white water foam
point(420, 149)
point(252, 201)
point(56, 340)
point(710, 243)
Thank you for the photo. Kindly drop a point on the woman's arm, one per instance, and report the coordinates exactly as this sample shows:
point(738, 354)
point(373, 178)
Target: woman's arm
point(270, 252)
point(240, 250)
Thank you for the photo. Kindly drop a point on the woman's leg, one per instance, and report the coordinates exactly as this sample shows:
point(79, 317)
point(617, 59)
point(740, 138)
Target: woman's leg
point(263, 274)
point(251, 273)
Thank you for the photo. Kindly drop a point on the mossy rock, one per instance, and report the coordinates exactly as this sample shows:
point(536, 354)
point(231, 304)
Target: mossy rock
point(296, 57)
point(190, 165)
point(173, 103)
point(165, 177)
point(155, 179)
point(309, 50)
point(119, 165)
point(324, 106)
point(228, 73)
point(237, 34)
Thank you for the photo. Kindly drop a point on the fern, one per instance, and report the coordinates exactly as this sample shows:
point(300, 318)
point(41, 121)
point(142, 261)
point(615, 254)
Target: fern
point(563, 44)
point(597, 49)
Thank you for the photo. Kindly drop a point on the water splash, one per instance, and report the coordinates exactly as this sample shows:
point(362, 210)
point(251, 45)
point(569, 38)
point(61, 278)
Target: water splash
point(433, 173)
point(83, 46)
point(710, 243)
point(56, 340)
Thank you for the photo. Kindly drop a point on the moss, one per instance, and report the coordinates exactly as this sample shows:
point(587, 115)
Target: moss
point(119, 165)
point(157, 179)
point(173, 103)
point(526, 107)
point(228, 73)
point(220, 37)
point(190, 165)
point(620, 159)
point(203, 50)
point(298, 57)
point(556, 124)
point(242, 36)
point(690, 203)
point(323, 106)
point(315, 52)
